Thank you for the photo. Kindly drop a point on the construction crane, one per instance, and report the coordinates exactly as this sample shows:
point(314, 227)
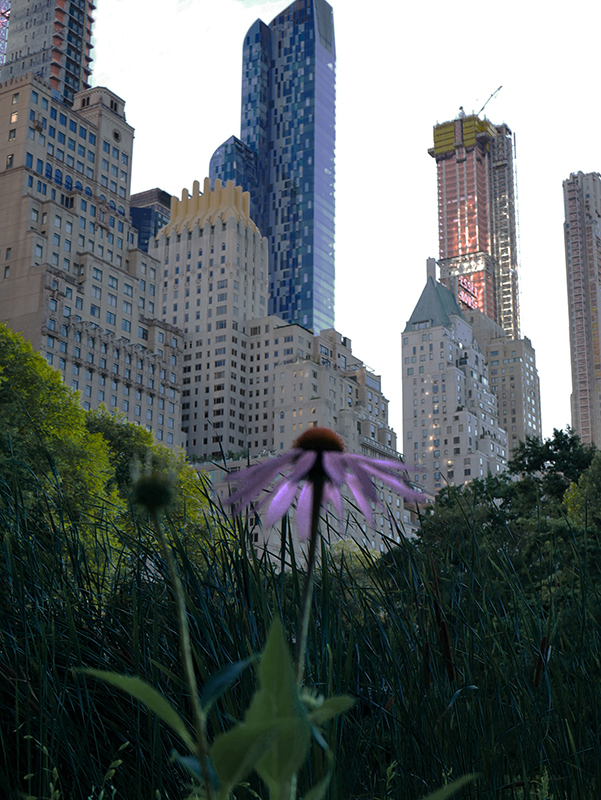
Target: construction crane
point(489, 99)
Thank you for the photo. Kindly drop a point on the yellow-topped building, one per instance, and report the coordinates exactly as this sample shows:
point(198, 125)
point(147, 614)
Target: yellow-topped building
point(199, 208)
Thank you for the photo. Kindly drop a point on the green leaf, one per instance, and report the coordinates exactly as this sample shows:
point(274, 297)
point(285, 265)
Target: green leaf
point(150, 697)
point(237, 752)
point(447, 791)
point(220, 681)
point(331, 708)
point(278, 700)
point(194, 767)
point(318, 791)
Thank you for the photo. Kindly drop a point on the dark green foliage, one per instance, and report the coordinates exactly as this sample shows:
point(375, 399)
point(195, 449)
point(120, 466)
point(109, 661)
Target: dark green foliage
point(551, 465)
point(45, 447)
point(474, 650)
point(387, 639)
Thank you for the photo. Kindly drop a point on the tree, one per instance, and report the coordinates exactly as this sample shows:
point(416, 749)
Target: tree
point(45, 446)
point(553, 463)
point(133, 450)
point(582, 500)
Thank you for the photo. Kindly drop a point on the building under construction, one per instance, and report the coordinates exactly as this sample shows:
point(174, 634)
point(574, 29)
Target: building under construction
point(477, 217)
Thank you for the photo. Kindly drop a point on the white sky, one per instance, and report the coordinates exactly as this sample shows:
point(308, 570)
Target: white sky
point(401, 68)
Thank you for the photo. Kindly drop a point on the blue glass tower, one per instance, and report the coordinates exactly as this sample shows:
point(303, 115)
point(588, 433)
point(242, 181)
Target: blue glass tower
point(285, 156)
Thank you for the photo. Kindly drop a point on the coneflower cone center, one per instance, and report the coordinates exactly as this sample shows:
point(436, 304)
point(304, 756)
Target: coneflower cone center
point(320, 439)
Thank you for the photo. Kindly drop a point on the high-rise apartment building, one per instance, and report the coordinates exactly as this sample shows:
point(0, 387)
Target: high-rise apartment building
point(52, 41)
point(450, 414)
point(285, 156)
point(477, 217)
point(513, 378)
point(582, 231)
point(302, 381)
point(149, 211)
point(251, 381)
point(214, 265)
point(72, 279)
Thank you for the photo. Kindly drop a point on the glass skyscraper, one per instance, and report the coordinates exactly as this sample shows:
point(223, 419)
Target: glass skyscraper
point(285, 156)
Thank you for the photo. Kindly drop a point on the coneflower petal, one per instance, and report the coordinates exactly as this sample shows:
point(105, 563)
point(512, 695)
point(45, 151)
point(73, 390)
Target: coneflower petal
point(331, 495)
point(333, 464)
point(303, 465)
point(365, 481)
point(256, 478)
point(356, 488)
point(304, 509)
point(281, 502)
point(398, 484)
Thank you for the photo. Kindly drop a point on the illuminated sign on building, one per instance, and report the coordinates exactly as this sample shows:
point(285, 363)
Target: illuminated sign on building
point(468, 293)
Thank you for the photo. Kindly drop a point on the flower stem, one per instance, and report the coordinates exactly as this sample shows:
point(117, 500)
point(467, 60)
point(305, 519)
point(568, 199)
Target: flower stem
point(305, 606)
point(202, 748)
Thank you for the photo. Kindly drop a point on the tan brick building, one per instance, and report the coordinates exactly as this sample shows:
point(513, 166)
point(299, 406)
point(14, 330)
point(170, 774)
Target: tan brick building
point(72, 279)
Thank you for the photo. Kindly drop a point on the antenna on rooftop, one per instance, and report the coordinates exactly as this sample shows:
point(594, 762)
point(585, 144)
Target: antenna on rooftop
point(489, 99)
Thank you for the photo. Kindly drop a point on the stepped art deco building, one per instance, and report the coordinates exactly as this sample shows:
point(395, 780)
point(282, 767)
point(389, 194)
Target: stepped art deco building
point(582, 233)
point(285, 156)
point(478, 246)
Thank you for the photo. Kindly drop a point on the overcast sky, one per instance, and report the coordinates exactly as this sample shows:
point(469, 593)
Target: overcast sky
point(401, 68)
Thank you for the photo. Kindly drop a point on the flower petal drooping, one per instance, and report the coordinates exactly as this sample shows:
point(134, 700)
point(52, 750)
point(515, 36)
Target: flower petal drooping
point(332, 495)
point(318, 456)
point(334, 468)
point(356, 488)
point(281, 502)
point(256, 478)
point(303, 465)
point(399, 485)
point(303, 512)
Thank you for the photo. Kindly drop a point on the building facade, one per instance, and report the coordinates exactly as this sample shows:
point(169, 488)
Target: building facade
point(73, 280)
point(513, 378)
point(450, 414)
point(297, 382)
point(285, 156)
point(478, 243)
point(214, 278)
point(582, 234)
point(53, 42)
point(149, 212)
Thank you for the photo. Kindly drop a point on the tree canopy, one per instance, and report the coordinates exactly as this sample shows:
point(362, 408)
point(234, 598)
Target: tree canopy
point(44, 442)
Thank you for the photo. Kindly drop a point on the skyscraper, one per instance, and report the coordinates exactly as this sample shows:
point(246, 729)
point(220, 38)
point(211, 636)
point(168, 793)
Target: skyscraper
point(582, 231)
point(52, 42)
point(285, 156)
point(450, 414)
point(149, 212)
point(477, 217)
point(72, 279)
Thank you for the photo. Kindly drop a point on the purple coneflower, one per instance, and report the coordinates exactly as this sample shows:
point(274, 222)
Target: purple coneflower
point(318, 460)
